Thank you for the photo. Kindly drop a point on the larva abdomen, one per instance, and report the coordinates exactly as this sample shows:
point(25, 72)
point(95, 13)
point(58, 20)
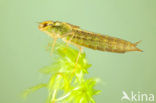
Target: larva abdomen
point(103, 42)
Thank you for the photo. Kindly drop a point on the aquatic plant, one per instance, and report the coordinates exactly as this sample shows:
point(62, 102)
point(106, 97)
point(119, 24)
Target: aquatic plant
point(67, 85)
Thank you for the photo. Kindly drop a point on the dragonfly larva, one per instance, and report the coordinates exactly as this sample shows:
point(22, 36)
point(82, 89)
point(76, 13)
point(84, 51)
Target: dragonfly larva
point(74, 35)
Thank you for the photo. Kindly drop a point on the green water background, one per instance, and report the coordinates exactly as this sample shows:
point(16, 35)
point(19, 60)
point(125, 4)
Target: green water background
point(22, 45)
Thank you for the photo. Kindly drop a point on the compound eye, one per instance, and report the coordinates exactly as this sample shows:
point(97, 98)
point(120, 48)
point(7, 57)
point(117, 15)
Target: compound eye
point(44, 25)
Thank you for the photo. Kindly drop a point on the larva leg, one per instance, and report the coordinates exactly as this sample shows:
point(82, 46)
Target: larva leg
point(53, 45)
point(55, 37)
point(78, 56)
point(68, 41)
point(78, 46)
point(67, 44)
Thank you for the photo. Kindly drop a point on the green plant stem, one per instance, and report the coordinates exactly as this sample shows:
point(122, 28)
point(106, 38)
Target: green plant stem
point(54, 96)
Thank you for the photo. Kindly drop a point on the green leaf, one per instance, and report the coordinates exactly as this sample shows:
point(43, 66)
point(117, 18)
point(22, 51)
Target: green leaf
point(32, 89)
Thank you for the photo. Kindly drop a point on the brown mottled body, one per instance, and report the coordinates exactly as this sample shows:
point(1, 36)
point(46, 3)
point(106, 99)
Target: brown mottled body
point(74, 35)
point(101, 42)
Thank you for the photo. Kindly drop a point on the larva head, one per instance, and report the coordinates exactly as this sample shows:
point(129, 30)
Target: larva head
point(44, 26)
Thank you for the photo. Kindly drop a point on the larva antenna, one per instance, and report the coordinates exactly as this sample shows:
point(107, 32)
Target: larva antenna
point(137, 49)
point(136, 43)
